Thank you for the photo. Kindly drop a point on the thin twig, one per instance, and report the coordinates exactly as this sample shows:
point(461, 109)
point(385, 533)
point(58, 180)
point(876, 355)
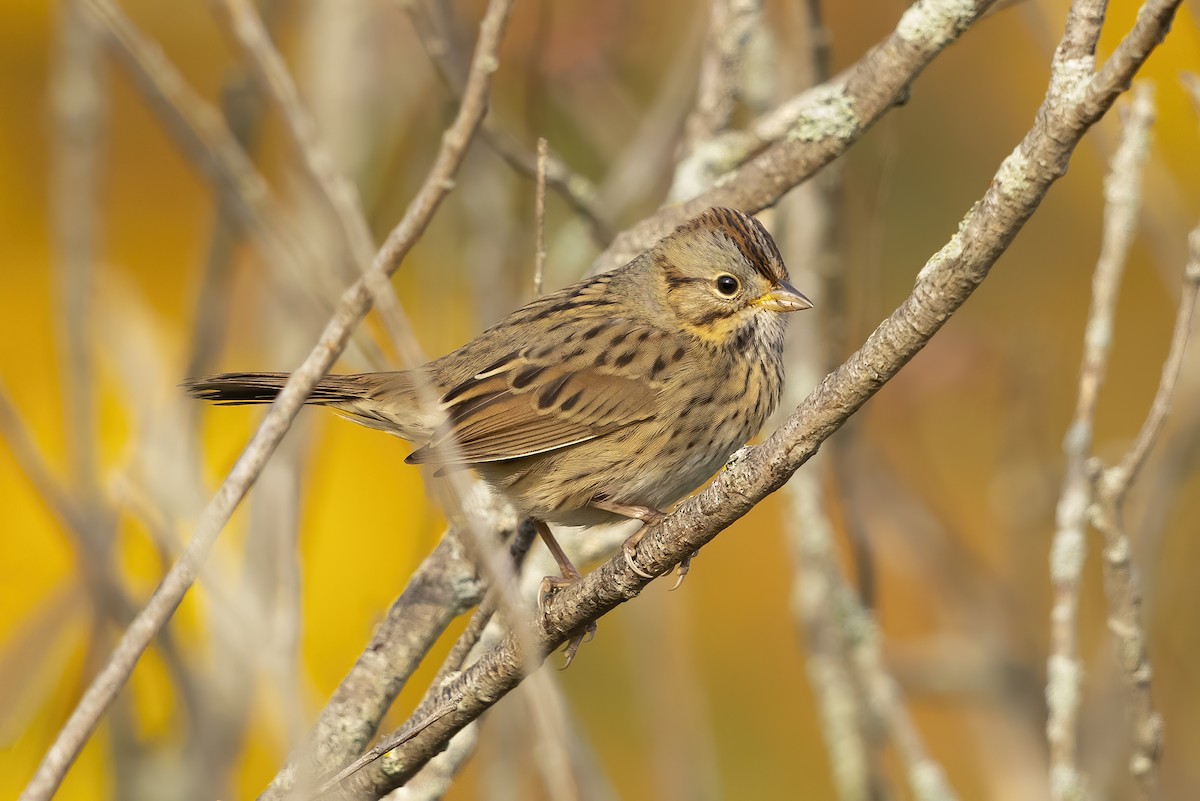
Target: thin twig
point(926, 778)
point(80, 107)
point(16, 435)
point(353, 306)
point(1121, 584)
point(539, 218)
point(338, 192)
point(731, 27)
point(394, 741)
point(1064, 672)
point(198, 130)
point(433, 25)
point(1120, 477)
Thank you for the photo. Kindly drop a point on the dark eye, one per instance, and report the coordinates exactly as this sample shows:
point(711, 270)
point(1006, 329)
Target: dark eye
point(727, 285)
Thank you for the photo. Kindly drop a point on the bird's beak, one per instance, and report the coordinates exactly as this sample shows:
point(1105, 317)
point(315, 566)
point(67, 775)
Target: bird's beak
point(784, 298)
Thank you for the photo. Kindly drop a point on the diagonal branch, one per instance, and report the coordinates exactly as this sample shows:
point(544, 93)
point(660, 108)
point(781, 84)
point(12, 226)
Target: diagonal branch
point(352, 308)
point(338, 192)
point(433, 24)
point(943, 285)
point(825, 121)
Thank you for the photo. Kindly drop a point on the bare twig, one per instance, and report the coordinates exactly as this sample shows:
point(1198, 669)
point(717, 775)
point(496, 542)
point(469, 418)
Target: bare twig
point(353, 306)
point(81, 108)
point(539, 218)
point(338, 192)
point(388, 743)
point(16, 435)
point(205, 139)
point(926, 779)
point(1064, 673)
point(434, 28)
point(731, 27)
point(1121, 584)
point(441, 589)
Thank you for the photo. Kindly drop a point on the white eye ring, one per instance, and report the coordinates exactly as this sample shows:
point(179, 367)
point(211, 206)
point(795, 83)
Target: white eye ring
point(727, 285)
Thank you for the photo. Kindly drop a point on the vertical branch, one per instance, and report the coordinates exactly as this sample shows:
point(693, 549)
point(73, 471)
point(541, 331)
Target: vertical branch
point(1121, 585)
point(1069, 548)
point(856, 695)
point(80, 111)
point(732, 25)
point(539, 217)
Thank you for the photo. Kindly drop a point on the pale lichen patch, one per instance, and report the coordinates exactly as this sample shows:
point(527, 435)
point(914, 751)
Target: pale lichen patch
point(828, 114)
point(936, 22)
point(1012, 178)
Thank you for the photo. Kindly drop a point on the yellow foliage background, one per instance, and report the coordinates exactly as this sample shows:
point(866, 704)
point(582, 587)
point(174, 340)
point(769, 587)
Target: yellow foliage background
point(972, 427)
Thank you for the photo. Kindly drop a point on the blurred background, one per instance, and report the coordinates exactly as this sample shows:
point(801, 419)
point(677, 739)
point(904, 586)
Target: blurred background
point(948, 479)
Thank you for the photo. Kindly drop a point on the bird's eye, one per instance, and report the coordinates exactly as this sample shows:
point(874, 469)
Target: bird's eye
point(727, 285)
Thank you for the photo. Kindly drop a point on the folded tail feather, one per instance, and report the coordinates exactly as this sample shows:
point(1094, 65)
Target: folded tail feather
point(383, 401)
point(238, 389)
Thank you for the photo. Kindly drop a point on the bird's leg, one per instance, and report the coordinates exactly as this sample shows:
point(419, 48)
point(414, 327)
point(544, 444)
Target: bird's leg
point(550, 584)
point(649, 517)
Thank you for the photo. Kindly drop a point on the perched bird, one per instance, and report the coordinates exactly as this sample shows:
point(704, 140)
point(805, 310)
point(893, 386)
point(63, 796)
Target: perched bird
point(610, 399)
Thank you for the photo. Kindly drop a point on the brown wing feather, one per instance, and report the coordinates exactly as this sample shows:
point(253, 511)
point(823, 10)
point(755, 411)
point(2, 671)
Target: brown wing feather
point(528, 406)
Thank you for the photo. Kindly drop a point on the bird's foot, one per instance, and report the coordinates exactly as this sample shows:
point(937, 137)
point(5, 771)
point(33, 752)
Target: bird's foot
point(551, 585)
point(649, 517)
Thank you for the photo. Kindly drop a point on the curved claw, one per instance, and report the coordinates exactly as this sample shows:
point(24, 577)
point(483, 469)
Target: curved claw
point(629, 552)
point(681, 570)
point(550, 585)
point(572, 647)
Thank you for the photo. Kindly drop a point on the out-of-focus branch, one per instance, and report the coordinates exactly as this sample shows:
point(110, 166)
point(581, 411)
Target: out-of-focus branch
point(828, 119)
point(1121, 584)
point(808, 221)
point(443, 587)
point(732, 24)
point(337, 191)
point(206, 141)
point(943, 285)
point(855, 693)
point(80, 106)
point(435, 30)
point(539, 218)
point(1064, 673)
point(353, 306)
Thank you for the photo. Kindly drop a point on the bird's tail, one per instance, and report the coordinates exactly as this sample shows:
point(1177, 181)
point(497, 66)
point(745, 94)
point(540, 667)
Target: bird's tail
point(385, 401)
point(239, 389)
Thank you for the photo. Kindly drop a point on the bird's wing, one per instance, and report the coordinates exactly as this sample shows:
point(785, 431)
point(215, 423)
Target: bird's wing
point(539, 400)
